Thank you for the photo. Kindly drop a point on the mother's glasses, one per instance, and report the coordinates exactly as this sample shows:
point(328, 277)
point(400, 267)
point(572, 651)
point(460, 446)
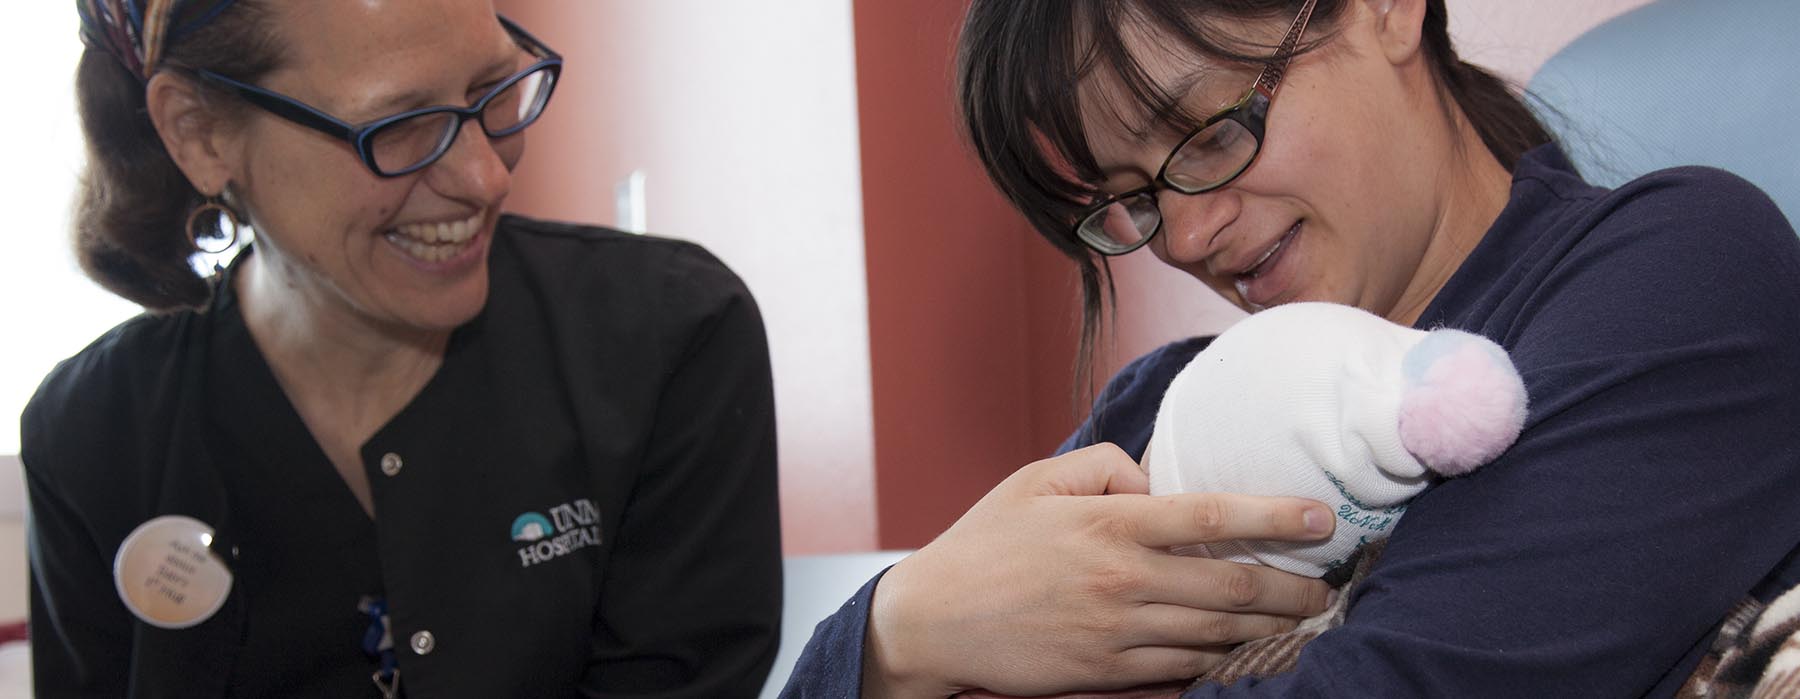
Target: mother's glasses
point(1207, 158)
point(411, 141)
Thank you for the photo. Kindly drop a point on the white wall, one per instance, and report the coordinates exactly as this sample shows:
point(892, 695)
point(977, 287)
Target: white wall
point(13, 599)
point(48, 311)
point(751, 107)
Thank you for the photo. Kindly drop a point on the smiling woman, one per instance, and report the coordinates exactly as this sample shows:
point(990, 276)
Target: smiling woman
point(402, 435)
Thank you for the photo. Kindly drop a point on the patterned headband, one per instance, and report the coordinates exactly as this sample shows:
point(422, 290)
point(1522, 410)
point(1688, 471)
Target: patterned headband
point(137, 31)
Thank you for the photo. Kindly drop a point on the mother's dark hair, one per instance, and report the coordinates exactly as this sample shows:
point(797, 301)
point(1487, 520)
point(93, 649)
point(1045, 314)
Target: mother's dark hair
point(131, 213)
point(1019, 64)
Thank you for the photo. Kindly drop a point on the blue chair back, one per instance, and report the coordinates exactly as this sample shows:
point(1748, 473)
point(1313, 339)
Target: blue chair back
point(1683, 82)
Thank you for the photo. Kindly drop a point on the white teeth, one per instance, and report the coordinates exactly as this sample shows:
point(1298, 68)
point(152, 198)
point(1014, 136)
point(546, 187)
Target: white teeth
point(1255, 270)
point(437, 241)
point(1265, 257)
point(441, 232)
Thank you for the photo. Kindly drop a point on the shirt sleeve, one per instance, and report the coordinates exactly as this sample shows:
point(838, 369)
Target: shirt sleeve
point(692, 598)
point(80, 634)
point(1654, 486)
point(831, 664)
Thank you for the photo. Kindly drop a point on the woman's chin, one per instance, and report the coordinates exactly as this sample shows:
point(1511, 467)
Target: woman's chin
point(435, 313)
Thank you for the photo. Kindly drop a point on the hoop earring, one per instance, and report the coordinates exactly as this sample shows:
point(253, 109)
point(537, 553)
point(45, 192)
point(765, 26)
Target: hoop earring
point(213, 206)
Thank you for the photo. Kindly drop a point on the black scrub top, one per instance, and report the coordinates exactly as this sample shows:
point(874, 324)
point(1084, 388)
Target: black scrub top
point(581, 501)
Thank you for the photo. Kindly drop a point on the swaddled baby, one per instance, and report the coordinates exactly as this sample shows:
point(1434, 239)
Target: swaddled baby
point(1335, 404)
point(1332, 403)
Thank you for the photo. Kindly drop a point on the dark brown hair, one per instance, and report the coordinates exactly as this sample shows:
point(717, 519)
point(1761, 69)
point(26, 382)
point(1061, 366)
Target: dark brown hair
point(1019, 65)
point(132, 209)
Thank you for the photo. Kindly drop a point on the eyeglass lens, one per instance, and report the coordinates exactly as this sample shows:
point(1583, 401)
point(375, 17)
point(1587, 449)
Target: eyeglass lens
point(1208, 159)
point(1211, 157)
point(1122, 223)
point(416, 140)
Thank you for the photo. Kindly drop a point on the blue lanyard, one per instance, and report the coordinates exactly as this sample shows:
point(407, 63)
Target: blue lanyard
point(378, 644)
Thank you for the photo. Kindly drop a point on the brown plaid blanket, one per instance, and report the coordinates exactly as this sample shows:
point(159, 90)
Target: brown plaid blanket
point(1756, 654)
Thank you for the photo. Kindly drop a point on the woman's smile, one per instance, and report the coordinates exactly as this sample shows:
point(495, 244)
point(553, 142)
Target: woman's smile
point(442, 244)
point(1271, 274)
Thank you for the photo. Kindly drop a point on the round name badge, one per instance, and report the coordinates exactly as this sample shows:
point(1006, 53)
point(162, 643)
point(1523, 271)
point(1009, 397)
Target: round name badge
point(168, 576)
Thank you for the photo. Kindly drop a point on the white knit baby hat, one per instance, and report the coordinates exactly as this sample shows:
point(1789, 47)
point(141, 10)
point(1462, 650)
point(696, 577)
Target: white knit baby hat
point(1332, 403)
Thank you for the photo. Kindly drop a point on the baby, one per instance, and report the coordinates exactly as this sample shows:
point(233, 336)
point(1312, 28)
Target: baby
point(1331, 403)
point(1335, 404)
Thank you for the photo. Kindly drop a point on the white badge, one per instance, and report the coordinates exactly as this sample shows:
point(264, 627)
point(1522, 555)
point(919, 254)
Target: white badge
point(167, 575)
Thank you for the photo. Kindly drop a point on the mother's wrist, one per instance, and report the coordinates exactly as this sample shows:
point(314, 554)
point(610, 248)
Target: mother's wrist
point(890, 665)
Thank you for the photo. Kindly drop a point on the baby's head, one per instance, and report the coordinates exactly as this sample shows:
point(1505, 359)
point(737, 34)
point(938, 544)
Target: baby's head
point(1332, 403)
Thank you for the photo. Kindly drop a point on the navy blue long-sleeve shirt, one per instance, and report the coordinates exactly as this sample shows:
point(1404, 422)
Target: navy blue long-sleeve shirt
point(1657, 482)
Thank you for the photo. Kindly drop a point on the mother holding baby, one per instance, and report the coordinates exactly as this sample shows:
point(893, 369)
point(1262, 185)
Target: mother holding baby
point(1338, 150)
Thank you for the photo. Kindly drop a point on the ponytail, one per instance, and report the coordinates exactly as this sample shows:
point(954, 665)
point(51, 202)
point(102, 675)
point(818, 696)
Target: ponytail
point(1507, 127)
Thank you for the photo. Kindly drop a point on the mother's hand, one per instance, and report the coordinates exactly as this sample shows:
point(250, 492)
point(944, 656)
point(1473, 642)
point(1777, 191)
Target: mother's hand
point(1043, 586)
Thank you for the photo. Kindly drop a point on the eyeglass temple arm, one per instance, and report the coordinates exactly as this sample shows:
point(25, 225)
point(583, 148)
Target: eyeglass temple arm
point(1270, 80)
point(316, 120)
point(533, 44)
point(284, 107)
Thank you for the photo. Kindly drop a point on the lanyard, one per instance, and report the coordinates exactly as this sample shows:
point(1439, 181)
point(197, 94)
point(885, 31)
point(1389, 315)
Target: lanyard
point(378, 644)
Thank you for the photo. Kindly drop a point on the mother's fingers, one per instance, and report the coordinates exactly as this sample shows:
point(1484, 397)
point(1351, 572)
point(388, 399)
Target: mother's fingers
point(1132, 480)
point(1226, 586)
point(1173, 625)
point(1147, 664)
point(1138, 673)
point(1100, 469)
point(1200, 518)
point(1165, 690)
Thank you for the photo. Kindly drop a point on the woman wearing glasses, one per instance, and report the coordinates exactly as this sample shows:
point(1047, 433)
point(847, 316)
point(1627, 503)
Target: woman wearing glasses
point(1338, 150)
point(403, 443)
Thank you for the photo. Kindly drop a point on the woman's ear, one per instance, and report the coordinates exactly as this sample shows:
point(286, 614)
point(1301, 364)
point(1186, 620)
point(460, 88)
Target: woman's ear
point(1399, 26)
point(196, 134)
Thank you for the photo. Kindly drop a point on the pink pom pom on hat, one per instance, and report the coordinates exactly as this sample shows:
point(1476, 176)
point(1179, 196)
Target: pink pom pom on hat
point(1465, 406)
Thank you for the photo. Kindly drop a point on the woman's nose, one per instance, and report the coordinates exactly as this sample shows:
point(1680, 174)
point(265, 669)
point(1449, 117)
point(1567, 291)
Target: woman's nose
point(1192, 222)
point(472, 169)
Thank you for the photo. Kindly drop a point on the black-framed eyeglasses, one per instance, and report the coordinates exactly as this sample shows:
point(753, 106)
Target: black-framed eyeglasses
point(412, 140)
point(1207, 158)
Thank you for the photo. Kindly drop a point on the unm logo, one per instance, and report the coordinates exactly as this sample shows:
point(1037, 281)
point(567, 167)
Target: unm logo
point(571, 526)
point(530, 526)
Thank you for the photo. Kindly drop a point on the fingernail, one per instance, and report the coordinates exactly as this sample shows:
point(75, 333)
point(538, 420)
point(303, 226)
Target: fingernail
point(1331, 598)
point(1317, 521)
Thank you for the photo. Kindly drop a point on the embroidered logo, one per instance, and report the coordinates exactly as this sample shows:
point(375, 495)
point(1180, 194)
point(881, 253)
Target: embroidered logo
point(530, 526)
point(571, 526)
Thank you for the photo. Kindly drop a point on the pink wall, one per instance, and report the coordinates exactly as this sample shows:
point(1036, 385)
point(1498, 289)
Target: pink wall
point(965, 348)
